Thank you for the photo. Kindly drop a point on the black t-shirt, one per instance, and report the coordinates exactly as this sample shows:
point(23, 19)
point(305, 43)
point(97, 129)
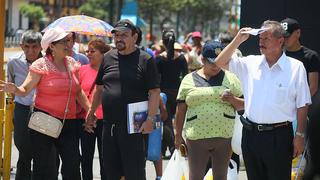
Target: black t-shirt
point(311, 62)
point(308, 57)
point(126, 79)
point(171, 71)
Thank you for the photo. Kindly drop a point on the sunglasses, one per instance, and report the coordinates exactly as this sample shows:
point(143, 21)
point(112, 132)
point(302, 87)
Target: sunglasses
point(90, 51)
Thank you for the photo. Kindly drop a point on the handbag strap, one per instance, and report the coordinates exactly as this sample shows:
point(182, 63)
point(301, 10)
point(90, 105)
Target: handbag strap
point(91, 88)
point(69, 94)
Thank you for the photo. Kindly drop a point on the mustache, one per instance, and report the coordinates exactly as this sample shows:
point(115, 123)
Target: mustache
point(119, 42)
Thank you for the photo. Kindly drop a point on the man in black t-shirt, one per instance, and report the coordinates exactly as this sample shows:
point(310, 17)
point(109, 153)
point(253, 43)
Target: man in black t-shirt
point(311, 62)
point(308, 57)
point(126, 75)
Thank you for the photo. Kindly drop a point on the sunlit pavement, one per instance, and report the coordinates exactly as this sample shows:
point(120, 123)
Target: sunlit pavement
point(150, 171)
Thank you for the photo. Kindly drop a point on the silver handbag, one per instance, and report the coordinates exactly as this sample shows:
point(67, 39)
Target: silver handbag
point(46, 124)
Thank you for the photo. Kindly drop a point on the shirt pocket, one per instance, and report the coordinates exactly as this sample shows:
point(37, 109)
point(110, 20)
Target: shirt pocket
point(281, 93)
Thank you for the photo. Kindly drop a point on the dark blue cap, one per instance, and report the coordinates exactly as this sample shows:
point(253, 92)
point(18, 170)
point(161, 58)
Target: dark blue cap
point(211, 50)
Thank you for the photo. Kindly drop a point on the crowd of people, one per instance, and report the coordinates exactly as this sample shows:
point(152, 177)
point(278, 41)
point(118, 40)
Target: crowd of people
point(204, 84)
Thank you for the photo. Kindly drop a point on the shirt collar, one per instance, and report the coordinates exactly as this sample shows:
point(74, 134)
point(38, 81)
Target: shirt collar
point(281, 63)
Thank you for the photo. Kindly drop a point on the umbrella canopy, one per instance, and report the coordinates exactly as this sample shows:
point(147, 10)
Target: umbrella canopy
point(83, 25)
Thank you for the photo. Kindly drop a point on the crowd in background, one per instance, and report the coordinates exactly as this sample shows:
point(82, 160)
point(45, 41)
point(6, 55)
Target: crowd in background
point(205, 83)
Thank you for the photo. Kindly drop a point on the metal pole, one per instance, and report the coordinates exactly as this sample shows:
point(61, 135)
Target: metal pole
point(7, 139)
point(2, 27)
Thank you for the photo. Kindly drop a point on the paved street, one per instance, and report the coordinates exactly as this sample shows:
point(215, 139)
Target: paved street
point(149, 165)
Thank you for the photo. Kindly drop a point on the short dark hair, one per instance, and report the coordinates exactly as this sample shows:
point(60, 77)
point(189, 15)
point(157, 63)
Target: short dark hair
point(31, 37)
point(168, 39)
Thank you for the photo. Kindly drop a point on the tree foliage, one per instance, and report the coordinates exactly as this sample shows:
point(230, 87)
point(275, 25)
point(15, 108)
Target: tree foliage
point(191, 12)
point(95, 8)
point(33, 12)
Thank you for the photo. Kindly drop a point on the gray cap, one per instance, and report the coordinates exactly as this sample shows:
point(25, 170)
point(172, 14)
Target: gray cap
point(124, 25)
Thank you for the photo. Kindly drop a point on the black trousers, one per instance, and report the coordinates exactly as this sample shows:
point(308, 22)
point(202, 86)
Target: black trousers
point(21, 117)
point(88, 144)
point(268, 155)
point(168, 133)
point(123, 153)
point(45, 150)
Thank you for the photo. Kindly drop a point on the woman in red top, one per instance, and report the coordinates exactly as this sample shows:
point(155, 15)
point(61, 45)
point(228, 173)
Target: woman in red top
point(51, 76)
point(88, 73)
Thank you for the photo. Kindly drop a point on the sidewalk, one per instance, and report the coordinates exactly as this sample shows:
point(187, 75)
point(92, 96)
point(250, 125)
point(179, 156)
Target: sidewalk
point(150, 171)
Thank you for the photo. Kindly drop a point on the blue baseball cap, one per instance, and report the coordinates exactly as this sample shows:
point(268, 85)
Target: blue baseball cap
point(211, 50)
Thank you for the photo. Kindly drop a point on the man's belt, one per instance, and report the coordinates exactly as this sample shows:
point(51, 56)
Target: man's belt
point(249, 125)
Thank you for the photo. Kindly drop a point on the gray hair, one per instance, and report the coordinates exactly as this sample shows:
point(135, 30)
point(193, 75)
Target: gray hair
point(31, 37)
point(276, 28)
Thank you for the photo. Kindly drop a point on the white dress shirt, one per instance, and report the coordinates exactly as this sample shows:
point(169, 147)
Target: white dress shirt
point(272, 94)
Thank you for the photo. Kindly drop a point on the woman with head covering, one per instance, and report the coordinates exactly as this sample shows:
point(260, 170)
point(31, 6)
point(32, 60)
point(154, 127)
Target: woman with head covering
point(172, 67)
point(208, 111)
point(54, 76)
point(88, 73)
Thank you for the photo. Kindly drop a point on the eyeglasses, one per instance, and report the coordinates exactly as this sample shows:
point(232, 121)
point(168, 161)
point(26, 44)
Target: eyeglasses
point(90, 51)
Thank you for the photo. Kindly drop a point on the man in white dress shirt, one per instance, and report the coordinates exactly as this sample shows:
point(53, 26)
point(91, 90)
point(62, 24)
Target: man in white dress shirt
point(276, 92)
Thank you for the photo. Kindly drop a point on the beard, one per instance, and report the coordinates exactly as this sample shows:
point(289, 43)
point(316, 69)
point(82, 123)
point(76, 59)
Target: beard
point(120, 46)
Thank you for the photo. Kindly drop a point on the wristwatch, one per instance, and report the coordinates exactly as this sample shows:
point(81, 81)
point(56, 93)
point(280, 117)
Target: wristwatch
point(300, 134)
point(152, 118)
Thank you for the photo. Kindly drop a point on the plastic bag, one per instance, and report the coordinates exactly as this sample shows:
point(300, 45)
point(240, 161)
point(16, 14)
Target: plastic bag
point(237, 136)
point(232, 172)
point(177, 168)
point(298, 165)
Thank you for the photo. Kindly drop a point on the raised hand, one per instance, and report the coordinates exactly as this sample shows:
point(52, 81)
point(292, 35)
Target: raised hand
point(243, 36)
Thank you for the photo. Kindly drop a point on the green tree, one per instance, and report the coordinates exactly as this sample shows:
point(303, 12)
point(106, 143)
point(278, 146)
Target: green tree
point(34, 13)
point(189, 13)
point(150, 9)
point(205, 14)
point(95, 8)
